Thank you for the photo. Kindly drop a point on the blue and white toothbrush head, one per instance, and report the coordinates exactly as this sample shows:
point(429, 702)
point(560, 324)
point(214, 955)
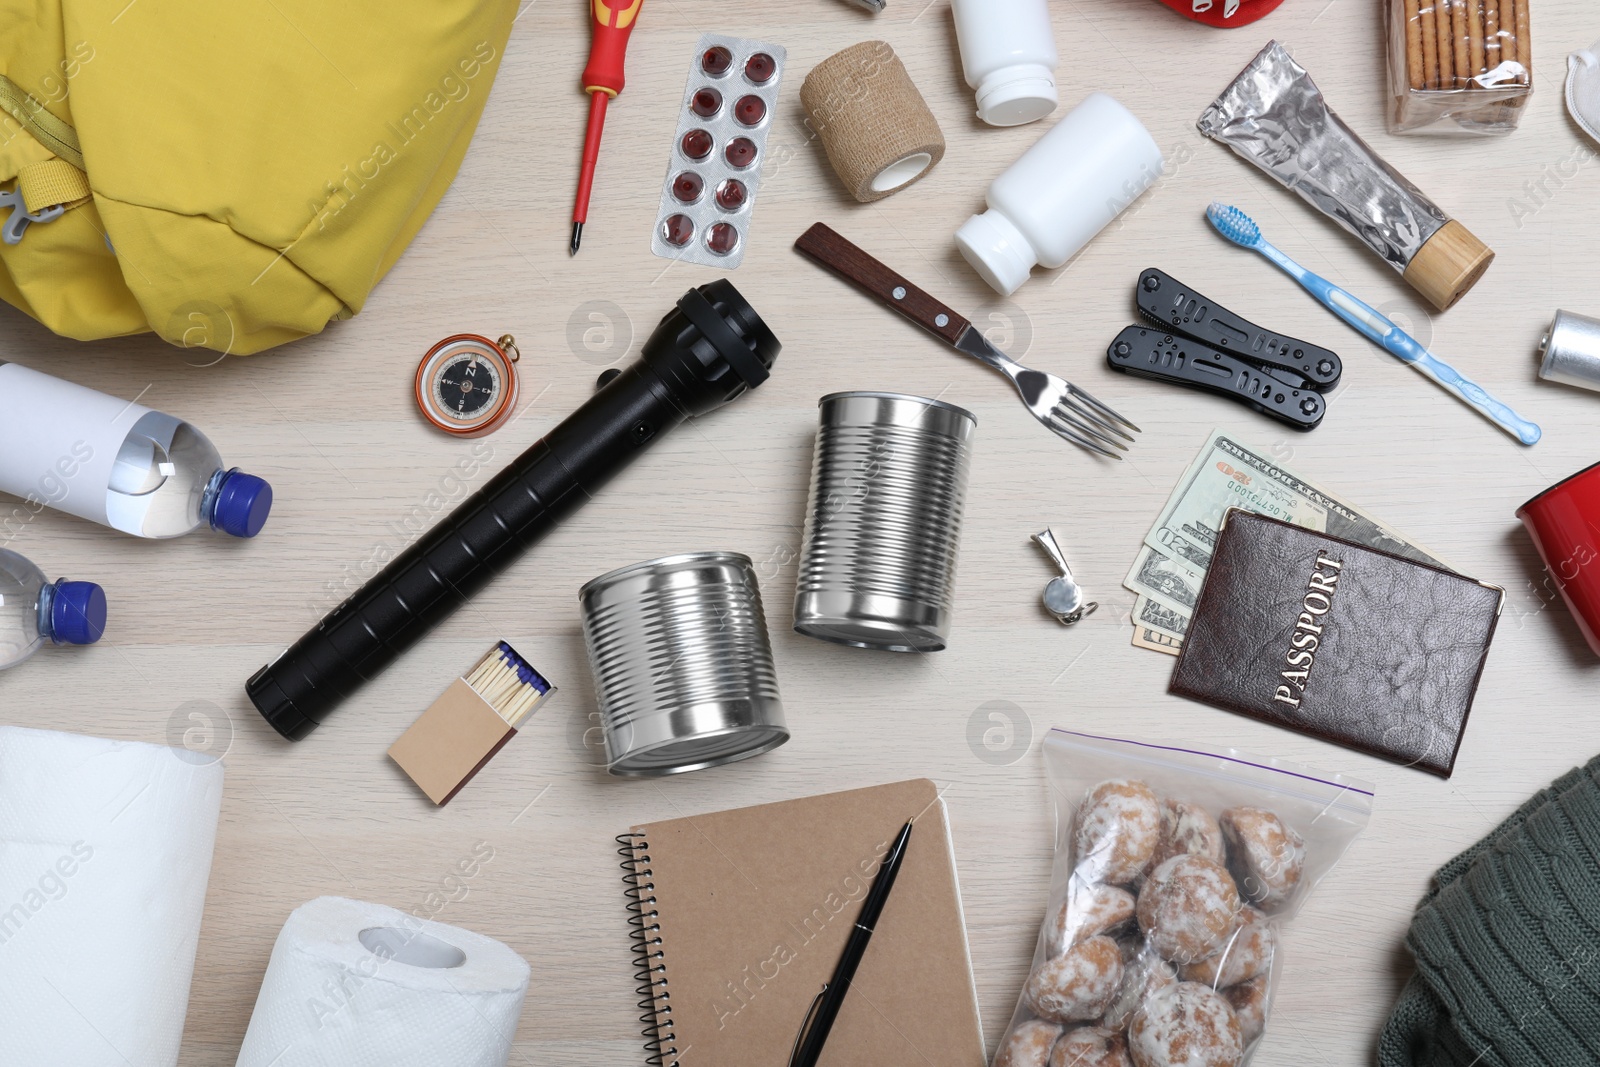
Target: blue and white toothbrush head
point(1234, 224)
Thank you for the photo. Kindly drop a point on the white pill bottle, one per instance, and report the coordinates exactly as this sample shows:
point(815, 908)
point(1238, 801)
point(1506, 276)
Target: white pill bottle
point(1008, 56)
point(1069, 186)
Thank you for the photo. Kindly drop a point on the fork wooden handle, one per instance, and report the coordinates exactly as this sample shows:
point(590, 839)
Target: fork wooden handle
point(826, 248)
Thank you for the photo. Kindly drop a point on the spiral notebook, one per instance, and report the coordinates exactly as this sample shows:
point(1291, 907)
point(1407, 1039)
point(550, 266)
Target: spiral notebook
point(740, 916)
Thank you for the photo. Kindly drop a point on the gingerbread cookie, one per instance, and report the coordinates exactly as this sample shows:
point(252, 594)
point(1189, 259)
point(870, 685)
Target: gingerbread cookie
point(1188, 908)
point(1091, 1046)
point(1077, 985)
point(1187, 829)
point(1249, 1003)
point(1186, 1025)
point(1142, 975)
point(1119, 827)
point(1028, 1044)
point(1245, 955)
point(1087, 911)
point(1266, 857)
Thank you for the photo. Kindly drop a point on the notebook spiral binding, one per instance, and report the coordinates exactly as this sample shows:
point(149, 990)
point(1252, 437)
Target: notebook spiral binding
point(648, 959)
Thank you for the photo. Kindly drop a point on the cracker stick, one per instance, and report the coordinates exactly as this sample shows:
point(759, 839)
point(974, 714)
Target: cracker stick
point(1447, 54)
point(1491, 34)
point(1430, 44)
point(1508, 37)
point(1524, 41)
point(1475, 39)
point(1415, 67)
point(1458, 40)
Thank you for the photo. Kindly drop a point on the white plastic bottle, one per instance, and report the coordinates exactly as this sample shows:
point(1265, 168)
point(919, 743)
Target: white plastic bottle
point(1008, 55)
point(116, 463)
point(34, 610)
point(1066, 188)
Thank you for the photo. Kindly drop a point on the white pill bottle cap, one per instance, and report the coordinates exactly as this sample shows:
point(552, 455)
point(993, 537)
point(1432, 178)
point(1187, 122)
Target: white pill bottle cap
point(1008, 57)
point(1013, 96)
point(1064, 190)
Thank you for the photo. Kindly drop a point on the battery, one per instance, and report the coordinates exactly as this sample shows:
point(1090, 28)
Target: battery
point(1570, 351)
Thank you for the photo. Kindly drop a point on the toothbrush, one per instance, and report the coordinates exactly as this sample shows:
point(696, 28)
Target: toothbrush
point(1239, 228)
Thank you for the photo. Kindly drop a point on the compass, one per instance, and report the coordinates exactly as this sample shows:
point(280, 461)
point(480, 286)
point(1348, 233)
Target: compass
point(467, 385)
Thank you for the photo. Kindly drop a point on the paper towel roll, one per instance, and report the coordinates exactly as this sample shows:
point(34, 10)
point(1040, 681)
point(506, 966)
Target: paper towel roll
point(362, 985)
point(875, 127)
point(105, 849)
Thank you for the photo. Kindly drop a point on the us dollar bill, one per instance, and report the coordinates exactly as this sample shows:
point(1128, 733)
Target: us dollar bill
point(1160, 617)
point(1171, 566)
point(1227, 474)
point(1156, 641)
point(1165, 581)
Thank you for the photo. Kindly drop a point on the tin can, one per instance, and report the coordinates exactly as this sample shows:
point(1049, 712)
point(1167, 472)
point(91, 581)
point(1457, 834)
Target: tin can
point(883, 523)
point(682, 665)
point(1570, 351)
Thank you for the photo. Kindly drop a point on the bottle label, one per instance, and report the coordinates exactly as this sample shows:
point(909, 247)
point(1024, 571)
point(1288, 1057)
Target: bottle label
point(58, 441)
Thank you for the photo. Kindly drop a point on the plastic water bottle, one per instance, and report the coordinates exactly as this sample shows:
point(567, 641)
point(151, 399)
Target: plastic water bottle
point(116, 463)
point(33, 610)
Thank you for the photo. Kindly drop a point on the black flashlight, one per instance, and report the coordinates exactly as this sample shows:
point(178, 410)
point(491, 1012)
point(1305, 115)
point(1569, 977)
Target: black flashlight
point(708, 350)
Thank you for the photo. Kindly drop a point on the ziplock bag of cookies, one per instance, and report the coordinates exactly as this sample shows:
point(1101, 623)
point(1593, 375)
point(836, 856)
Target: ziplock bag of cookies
point(1174, 871)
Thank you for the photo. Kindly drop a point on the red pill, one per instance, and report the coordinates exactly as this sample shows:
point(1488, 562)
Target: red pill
point(750, 110)
point(696, 144)
point(760, 68)
point(705, 102)
point(677, 230)
point(722, 238)
point(716, 61)
point(687, 187)
point(740, 153)
point(731, 194)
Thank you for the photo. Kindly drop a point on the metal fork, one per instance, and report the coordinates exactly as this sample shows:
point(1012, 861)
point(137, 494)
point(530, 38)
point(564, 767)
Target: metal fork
point(1063, 407)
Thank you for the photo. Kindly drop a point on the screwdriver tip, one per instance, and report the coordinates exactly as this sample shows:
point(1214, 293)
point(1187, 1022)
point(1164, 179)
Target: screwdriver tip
point(577, 238)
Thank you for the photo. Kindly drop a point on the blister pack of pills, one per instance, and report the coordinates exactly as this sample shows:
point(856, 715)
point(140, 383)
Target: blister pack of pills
point(718, 151)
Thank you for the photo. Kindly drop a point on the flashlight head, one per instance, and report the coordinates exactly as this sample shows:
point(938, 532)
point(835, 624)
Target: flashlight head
point(711, 347)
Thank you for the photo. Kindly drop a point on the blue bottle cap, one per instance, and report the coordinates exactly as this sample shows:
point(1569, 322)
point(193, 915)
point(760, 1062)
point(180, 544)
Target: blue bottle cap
point(243, 501)
point(78, 613)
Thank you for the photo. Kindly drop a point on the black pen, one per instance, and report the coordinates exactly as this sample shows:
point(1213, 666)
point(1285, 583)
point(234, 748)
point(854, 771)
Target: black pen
point(808, 1046)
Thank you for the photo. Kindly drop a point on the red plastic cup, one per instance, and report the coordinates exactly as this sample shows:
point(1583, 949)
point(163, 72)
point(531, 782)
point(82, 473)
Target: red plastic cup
point(1564, 522)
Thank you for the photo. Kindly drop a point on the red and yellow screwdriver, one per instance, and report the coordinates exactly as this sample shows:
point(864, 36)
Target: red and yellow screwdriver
point(602, 79)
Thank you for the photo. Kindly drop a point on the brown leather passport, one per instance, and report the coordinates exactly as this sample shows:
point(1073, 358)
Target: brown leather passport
point(1343, 642)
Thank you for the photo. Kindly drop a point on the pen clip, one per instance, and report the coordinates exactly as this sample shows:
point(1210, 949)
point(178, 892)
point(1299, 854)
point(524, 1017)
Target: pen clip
point(805, 1024)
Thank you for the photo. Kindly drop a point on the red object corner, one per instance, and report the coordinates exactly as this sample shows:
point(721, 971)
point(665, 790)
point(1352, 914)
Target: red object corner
point(1224, 14)
point(1564, 522)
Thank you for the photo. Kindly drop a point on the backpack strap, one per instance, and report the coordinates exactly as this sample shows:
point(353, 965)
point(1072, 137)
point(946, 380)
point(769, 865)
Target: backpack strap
point(53, 181)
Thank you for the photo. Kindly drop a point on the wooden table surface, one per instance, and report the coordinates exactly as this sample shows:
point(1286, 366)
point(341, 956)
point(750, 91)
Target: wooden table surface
point(329, 421)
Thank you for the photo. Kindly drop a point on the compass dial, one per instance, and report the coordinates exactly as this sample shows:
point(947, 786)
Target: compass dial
point(467, 385)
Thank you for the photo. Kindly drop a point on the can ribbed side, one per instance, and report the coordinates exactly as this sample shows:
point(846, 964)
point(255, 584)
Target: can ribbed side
point(883, 528)
point(679, 647)
point(679, 652)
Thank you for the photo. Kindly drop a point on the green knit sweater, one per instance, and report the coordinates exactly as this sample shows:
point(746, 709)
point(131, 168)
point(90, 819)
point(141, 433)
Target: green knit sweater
point(1507, 944)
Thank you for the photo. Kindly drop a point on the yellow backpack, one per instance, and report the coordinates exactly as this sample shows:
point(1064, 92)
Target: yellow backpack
point(231, 176)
